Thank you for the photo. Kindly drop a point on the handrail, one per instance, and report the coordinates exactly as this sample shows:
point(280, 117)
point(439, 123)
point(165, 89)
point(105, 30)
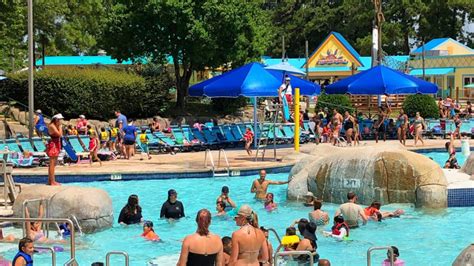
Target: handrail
point(208, 152)
point(276, 234)
point(390, 250)
point(225, 158)
point(23, 208)
point(53, 254)
point(49, 220)
point(296, 252)
point(123, 253)
point(23, 105)
point(74, 219)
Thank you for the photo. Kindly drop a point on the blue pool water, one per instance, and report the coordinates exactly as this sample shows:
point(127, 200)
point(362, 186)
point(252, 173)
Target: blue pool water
point(441, 157)
point(422, 238)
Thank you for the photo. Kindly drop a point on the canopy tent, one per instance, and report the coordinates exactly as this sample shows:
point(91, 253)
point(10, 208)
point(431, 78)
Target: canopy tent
point(469, 86)
point(381, 80)
point(285, 67)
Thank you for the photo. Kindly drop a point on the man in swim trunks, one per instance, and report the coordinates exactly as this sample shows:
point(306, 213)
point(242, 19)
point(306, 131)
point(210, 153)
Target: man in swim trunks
point(352, 211)
point(259, 186)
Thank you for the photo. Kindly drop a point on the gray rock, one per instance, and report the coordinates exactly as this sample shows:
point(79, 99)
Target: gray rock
point(466, 257)
point(91, 206)
point(385, 173)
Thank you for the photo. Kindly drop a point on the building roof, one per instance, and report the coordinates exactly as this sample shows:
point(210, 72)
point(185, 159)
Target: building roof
point(432, 71)
point(86, 60)
point(433, 45)
point(344, 43)
point(295, 62)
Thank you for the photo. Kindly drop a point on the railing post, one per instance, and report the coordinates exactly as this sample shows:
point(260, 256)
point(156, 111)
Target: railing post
point(390, 250)
point(123, 253)
point(53, 254)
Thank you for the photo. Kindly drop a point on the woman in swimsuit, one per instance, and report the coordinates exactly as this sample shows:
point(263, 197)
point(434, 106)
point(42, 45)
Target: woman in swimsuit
point(202, 248)
point(53, 147)
point(33, 229)
point(418, 125)
point(318, 216)
point(402, 127)
point(308, 243)
point(349, 127)
point(249, 245)
point(457, 123)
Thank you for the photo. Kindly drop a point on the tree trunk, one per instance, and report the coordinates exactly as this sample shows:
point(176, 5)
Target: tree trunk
point(182, 82)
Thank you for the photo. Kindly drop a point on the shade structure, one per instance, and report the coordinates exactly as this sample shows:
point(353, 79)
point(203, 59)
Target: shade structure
point(381, 80)
point(469, 86)
point(251, 80)
point(285, 67)
point(307, 88)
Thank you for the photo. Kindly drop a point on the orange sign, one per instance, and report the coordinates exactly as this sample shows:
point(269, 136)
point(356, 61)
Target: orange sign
point(332, 58)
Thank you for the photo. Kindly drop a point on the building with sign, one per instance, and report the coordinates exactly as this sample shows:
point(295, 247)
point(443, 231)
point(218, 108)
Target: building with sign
point(447, 62)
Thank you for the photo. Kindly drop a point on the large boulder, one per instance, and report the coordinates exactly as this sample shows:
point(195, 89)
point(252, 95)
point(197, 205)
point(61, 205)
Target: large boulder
point(466, 257)
point(91, 206)
point(387, 173)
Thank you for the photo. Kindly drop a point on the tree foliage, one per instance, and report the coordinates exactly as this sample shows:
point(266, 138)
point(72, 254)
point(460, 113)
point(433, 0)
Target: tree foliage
point(196, 34)
point(425, 104)
point(335, 101)
point(93, 92)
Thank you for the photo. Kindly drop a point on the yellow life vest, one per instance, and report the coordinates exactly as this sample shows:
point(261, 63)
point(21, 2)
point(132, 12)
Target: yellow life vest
point(290, 240)
point(104, 135)
point(143, 138)
point(113, 132)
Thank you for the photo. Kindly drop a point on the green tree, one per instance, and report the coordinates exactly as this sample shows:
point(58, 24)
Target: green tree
point(425, 104)
point(12, 29)
point(196, 34)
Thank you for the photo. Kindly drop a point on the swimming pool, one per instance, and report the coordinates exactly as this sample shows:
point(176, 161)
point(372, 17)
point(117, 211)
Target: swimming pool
point(440, 157)
point(423, 238)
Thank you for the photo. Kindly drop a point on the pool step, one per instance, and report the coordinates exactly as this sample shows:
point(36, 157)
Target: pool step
point(221, 174)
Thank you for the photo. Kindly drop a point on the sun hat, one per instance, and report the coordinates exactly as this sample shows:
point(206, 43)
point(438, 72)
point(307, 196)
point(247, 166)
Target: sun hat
point(288, 78)
point(38, 111)
point(310, 231)
point(245, 211)
point(82, 116)
point(58, 116)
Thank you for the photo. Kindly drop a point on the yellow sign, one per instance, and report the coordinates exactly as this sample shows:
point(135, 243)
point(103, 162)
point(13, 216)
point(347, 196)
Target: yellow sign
point(332, 52)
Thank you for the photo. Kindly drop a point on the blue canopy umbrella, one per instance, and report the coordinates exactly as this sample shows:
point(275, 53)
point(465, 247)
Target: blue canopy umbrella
point(285, 67)
point(381, 80)
point(250, 80)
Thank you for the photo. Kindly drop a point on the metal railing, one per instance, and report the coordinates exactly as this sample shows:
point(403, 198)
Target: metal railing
point(276, 234)
point(123, 253)
point(208, 157)
point(290, 253)
point(390, 250)
point(9, 186)
point(46, 214)
point(53, 254)
point(72, 242)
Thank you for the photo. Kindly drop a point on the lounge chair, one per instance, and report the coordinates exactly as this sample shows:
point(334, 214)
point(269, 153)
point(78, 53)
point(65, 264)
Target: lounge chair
point(227, 131)
point(238, 134)
point(189, 136)
point(26, 146)
point(180, 138)
point(212, 139)
point(12, 145)
point(77, 146)
point(38, 144)
point(168, 142)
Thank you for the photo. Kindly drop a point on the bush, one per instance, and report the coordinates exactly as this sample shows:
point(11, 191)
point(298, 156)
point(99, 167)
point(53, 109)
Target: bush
point(228, 106)
point(94, 92)
point(425, 104)
point(339, 101)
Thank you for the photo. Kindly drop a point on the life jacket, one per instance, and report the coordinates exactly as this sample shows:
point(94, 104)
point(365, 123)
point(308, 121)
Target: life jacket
point(104, 135)
point(26, 257)
point(336, 229)
point(370, 211)
point(114, 132)
point(143, 138)
point(289, 241)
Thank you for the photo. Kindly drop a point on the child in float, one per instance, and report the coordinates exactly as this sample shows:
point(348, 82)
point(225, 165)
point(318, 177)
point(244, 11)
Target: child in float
point(144, 144)
point(148, 232)
point(396, 260)
point(227, 244)
point(104, 138)
point(248, 138)
point(25, 252)
point(269, 204)
point(94, 148)
point(373, 212)
point(340, 230)
point(290, 240)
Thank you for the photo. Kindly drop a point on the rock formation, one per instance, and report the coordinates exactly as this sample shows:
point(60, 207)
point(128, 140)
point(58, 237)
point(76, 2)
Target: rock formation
point(91, 206)
point(385, 173)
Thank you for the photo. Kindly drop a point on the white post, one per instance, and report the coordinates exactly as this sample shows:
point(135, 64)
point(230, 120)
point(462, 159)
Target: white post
point(30, 70)
point(255, 124)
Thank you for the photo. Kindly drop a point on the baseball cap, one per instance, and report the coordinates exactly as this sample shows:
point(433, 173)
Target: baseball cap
point(172, 192)
point(287, 78)
point(82, 116)
point(58, 116)
point(38, 111)
point(245, 211)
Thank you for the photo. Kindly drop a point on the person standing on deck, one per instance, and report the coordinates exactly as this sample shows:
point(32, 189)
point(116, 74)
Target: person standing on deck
point(260, 186)
point(286, 91)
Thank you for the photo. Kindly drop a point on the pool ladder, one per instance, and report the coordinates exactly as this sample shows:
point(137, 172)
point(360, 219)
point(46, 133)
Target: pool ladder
point(215, 170)
point(389, 249)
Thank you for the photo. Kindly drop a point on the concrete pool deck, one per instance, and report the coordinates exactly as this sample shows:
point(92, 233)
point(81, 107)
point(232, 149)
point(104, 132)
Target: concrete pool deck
point(194, 161)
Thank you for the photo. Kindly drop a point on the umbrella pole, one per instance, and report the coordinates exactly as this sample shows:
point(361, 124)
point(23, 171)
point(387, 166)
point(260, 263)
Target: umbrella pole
point(255, 122)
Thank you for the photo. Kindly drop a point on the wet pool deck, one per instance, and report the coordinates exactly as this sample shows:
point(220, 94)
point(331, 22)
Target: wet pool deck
point(193, 162)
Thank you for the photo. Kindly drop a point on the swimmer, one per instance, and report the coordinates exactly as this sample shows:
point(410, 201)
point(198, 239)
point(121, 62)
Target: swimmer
point(220, 208)
point(8, 238)
point(309, 198)
point(319, 217)
point(396, 260)
point(290, 240)
point(33, 229)
point(452, 162)
point(269, 204)
point(24, 257)
point(260, 186)
point(227, 244)
point(340, 230)
point(373, 212)
point(148, 232)
point(224, 197)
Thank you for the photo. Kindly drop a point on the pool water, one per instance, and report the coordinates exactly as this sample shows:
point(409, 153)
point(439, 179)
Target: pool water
point(434, 238)
point(440, 157)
